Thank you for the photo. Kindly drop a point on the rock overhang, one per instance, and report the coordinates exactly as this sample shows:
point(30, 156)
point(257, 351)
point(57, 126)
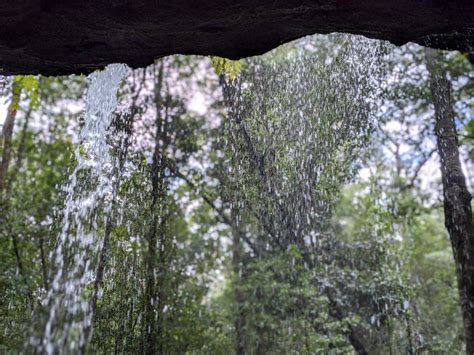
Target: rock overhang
point(59, 37)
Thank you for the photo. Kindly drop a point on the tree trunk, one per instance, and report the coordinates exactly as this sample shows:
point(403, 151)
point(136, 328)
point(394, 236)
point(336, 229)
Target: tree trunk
point(359, 348)
point(7, 134)
point(7, 137)
point(150, 291)
point(158, 191)
point(457, 199)
point(239, 322)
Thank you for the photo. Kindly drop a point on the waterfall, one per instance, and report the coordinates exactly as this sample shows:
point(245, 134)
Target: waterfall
point(89, 195)
point(305, 122)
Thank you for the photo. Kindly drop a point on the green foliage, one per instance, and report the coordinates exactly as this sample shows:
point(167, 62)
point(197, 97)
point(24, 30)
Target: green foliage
point(29, 84)
point(31, 220)
point(467, 138)
point(263, 247)
point(224, 66)
point(285, 309)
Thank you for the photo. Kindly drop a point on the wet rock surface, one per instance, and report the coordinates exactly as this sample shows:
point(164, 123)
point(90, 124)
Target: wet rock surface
point(55, 37)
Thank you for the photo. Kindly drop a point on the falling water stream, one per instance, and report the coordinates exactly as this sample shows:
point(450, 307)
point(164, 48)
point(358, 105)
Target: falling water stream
point(304, 127)
point(89, 193)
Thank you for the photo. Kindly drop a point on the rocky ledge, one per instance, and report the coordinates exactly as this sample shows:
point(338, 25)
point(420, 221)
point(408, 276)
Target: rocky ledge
point(56, 37)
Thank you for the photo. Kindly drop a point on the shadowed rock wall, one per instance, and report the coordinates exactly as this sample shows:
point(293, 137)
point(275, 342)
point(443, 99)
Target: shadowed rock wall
point(56, 37)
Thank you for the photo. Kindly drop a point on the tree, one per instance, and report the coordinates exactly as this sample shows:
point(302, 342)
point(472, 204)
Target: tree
point(30, 203)
point(292, 145)
point(457, 199)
